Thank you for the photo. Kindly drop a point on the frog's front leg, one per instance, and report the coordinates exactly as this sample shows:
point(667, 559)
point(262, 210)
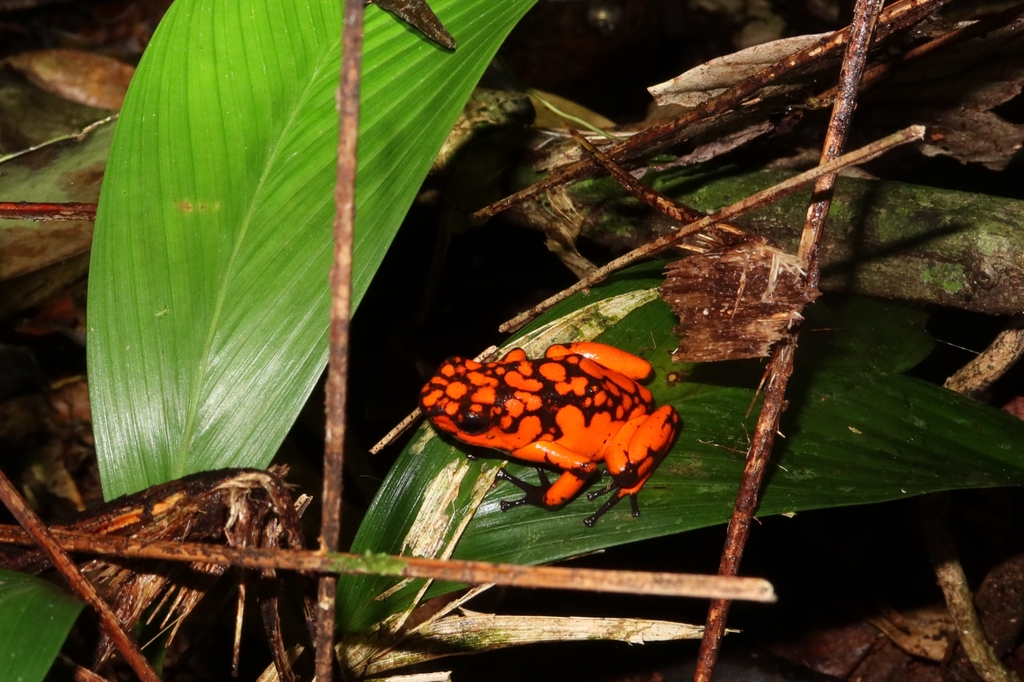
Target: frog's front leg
point(576, 469)
point(557, 455)
point(547, 495)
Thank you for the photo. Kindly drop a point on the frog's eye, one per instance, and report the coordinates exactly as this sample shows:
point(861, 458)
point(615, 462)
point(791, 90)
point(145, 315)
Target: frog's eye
point(474, 423)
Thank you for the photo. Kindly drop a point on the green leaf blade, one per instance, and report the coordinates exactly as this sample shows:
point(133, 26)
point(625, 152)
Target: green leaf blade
point(208, 299)
point(35, 618)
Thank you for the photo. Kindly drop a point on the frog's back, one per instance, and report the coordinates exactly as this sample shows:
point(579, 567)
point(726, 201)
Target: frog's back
point(509, 403)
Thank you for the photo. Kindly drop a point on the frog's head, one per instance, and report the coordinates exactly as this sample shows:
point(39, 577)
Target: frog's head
point(459, 399)
point(476, 404)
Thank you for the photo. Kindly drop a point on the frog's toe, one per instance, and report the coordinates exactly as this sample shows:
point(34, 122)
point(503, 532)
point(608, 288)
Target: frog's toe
point(510, 504)
point(612, 501)
point(534, 494)
point(594, 494)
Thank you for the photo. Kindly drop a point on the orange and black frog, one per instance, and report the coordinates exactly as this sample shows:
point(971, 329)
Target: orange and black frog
point(578, 406)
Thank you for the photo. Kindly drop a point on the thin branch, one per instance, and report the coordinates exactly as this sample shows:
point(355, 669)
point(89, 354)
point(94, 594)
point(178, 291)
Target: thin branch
point(32, 210)
point(37, 533)
point(490, 353)
point(981, 372)
point(959, 600)
point(341, 308)
point(865, 17)
point(474, 572)
point(774, 193)
point(654, 199)
point(400, 428)
point(780, 367)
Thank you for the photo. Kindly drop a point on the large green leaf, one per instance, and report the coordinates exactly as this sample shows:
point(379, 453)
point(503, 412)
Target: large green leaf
point(35, 618)
point(856, 432)
point(208, 299)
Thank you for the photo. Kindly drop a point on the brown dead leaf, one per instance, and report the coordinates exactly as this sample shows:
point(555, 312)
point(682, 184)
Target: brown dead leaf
point(954, 92)
point(735, 302)
point(835, 650)
point(928, 632)
point(702, 82)
point(1014, 406)
point(81, 77)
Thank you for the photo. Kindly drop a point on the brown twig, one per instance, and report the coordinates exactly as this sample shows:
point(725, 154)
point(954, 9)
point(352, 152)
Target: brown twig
point(778, 371)
point(780, 368)
point(654, 199)
point(894, 18)
point(41, 536)
point(974, 377)
point(400, 428)
point(32, 210)
point(341, 307)
point(865, 18)
point(959, 600)
point(774, 193)
point(474, 572)
point(981, 372)
point(665, 205)
point(490, 353)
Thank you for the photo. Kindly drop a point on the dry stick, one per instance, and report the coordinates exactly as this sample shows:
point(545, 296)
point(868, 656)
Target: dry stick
point(897, 16)
point(489, 353)
point(28, 210)
point(974, 377)
point(774, 193)
point(865, 18)
point(780, 368)
point(981, 372)
point(959, 599)
point(341, 306)
point(35, 528)
point(473, 572)
point(656, 200)
point(400, 428)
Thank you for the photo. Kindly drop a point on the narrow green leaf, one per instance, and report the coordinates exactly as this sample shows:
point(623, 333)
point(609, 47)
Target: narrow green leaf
point(35, 618)
point(856, 433)
point(208, 299)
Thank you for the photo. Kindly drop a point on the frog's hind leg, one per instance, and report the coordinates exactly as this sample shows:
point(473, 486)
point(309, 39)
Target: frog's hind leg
point(640, 446)
point(633, 456)
point(617, 494)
